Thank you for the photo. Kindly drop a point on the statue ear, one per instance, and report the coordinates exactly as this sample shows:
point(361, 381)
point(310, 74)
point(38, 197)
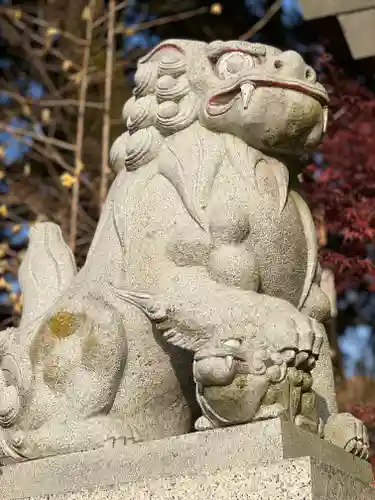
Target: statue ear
point(46, 270)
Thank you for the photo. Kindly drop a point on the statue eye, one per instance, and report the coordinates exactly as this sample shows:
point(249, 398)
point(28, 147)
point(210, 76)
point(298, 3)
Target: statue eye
point(233, 62)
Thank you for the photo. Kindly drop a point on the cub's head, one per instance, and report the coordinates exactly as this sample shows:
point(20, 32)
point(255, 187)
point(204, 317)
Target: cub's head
point(268, 98)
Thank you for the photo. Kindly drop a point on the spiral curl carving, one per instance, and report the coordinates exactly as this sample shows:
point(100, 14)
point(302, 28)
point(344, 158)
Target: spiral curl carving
point(141, 148)
point(171, 89)
point(173, 64)
point(162, 104)
point(142, 114)
point(187, 114)
point(145, 80)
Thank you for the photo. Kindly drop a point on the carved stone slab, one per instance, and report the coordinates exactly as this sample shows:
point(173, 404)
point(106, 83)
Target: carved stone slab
point(268, 460)
point(290, 479)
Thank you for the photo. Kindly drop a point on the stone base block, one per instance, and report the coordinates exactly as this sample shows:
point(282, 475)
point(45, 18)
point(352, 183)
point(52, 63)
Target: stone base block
point(270, 460)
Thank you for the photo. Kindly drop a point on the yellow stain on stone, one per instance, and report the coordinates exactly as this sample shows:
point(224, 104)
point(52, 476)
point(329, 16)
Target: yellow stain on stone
point(63, 324)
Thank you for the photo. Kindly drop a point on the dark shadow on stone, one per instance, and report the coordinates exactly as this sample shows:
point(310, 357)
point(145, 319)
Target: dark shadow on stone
point(322, 408)
point(182, 364)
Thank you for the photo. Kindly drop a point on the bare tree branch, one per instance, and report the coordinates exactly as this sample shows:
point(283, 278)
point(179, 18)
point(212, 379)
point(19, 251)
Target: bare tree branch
point(80, 128)
point(38, 64)
point(104, 18)
point(13, 12)
point(163, 20)
point(50, 103)
point(36, 38)
point(37, 137)
point(107, 101)
point(274, 9)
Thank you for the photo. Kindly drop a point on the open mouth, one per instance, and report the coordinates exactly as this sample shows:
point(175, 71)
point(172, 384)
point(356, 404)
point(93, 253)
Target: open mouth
point(225, 100)
point(220, 103)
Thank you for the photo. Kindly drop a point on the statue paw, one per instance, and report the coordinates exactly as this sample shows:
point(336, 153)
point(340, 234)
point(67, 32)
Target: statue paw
point(349, 433)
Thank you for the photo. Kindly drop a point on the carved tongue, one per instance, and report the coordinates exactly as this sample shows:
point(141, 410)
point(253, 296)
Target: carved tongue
point(246, 91)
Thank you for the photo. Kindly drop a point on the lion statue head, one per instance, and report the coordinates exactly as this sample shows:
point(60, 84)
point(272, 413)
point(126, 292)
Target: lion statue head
point(269, 99)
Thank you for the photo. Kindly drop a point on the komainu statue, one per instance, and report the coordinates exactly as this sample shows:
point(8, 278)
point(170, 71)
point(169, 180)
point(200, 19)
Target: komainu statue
point(201, 302)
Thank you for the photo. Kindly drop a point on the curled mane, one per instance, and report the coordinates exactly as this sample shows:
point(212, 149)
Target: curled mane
point(163, 103)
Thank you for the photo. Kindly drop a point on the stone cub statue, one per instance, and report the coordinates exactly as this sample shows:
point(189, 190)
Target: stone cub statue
point(200, 302)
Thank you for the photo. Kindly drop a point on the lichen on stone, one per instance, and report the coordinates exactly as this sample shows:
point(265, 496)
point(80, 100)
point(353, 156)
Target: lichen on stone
point(63, 324)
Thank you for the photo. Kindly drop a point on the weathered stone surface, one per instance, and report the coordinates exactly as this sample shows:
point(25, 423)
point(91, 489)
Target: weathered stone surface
point(290, 479)
point(210, 463)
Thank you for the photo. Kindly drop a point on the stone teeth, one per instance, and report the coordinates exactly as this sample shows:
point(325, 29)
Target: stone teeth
point(325, 119)
point(229, 361)
point(232, 343)
point(246, 91)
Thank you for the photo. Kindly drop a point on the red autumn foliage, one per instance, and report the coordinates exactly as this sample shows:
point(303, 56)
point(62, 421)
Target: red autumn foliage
point(341, 191)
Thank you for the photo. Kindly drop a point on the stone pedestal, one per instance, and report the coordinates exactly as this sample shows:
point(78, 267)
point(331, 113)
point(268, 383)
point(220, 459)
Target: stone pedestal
point(269, 460)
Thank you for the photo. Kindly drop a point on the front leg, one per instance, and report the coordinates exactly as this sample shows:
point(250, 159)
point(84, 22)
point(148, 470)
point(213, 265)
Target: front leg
point(196, 313)
point(321, 304)
point(191, 309)
point(324, 384)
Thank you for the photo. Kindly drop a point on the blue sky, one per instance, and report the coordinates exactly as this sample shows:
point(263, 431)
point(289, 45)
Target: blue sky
point(355, 347)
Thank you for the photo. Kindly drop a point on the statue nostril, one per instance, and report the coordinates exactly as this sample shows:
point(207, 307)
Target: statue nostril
point(310, 74)
point(278, 63)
